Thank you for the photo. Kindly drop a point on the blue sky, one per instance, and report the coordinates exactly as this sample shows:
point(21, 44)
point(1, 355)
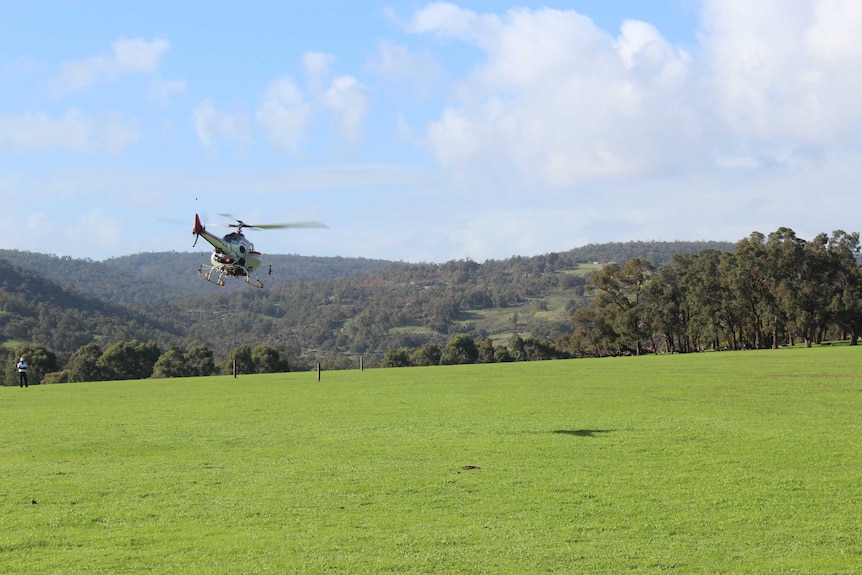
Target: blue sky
point(427, 131)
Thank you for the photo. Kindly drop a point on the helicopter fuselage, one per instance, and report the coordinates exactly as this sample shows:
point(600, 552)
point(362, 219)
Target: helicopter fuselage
point(233, 255)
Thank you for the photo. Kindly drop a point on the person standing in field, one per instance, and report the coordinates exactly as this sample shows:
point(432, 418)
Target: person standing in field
point(22, 373)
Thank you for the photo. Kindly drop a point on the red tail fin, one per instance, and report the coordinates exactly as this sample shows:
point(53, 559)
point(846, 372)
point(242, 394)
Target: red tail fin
point(198, 226)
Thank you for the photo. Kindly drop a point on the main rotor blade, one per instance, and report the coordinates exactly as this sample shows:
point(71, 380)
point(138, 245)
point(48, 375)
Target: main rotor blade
point(288, 225)
point(309, 224)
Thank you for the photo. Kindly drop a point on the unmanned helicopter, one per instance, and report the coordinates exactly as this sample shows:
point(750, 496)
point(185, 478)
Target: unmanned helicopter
point(233, 255)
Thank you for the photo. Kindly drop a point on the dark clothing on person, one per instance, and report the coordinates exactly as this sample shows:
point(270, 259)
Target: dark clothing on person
point(22, 373)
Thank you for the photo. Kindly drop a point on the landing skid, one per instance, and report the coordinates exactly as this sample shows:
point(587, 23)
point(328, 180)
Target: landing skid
point(207, 273)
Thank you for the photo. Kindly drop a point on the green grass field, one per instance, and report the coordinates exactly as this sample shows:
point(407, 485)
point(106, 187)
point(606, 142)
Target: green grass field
point(737, 462)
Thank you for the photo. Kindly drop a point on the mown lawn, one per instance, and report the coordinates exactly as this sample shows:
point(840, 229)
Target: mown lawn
point(737, 462)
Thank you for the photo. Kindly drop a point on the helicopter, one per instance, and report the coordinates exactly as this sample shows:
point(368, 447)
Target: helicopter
point(233, 255)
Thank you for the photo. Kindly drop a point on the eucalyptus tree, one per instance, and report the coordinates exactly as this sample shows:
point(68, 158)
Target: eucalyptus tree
point(266, 359)
point(750, 279)
point(618, 296)
point(790, 268)
point(396, 357)
point(128, 360)
point(426, 354)
point(487, 351)
point(817, 283)
point(710, 322)
point(592, 335)
point(846, 304)
point(171, 364)
point(200, 360)
point(241, 359)
point(83, 365)
point(460, 349)
point(666, 305)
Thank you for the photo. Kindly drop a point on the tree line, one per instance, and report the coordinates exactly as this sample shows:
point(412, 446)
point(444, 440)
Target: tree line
point(125, 360)
point(133, 359)
point(770, 291)
point(763, 291)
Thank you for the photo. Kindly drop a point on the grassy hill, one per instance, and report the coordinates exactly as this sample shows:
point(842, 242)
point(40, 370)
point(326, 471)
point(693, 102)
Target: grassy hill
point(707, 463)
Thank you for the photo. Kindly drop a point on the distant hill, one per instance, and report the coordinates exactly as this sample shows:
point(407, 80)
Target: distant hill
point(657, 253)
point(33, 308)
point(157, 277)
point(312, 305)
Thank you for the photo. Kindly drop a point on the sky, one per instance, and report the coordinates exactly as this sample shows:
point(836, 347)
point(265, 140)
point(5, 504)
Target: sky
point(426, 131)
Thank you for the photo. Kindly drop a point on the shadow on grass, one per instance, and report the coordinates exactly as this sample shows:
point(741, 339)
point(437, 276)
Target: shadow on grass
point(583, 432)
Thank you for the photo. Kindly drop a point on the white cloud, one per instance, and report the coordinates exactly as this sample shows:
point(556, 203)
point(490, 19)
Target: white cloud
point(284, 114)
point(205, 118)
point(212, 125)
point(162, 90)
point(347, 99)
point(395, 62)
point(317, 67)
point(114, 133)
point(785, 72)
point(33, 226)
point(138, 55)
point(833, 36)
point(95, 232)
point(557, 100)
point(74, 131)
point(447, 19)
point(317, 63)
point(87, 235)
point(128, 56)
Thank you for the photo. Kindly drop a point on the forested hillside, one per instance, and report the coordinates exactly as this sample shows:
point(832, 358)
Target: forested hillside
point(409, 305)
point(330, 310)
point(143, 279)
point(657, 253)
point(35, 309)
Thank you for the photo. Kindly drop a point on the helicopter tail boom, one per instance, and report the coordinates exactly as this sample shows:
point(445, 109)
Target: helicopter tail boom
point(199, 230)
